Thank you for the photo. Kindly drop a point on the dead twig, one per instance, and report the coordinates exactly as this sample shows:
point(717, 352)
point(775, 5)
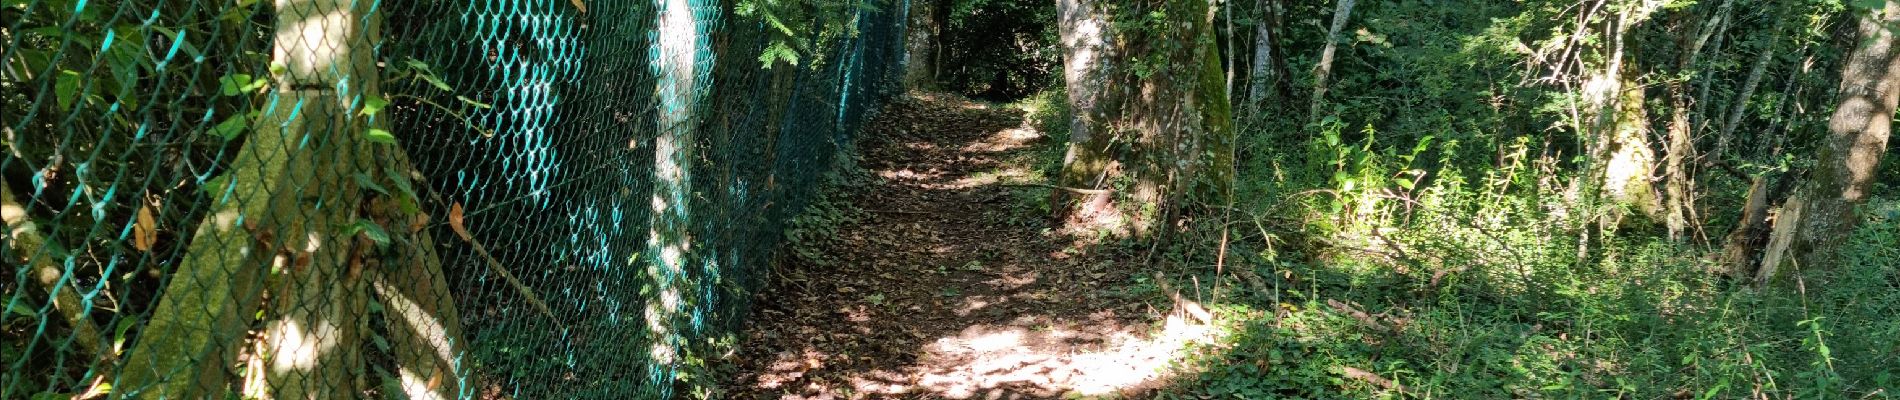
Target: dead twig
point(1062, 188)
point(455, 224)
point(1372, 378)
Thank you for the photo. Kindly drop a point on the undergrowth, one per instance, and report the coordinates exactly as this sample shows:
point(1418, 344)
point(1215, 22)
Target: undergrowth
point(1475, 287)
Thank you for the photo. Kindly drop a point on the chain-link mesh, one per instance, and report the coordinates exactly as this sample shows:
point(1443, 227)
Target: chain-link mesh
point(402, 198)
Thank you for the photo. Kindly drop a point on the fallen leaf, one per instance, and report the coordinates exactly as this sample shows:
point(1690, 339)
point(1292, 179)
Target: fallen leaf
point(455, 222)
point(145, 232)
point(417, 224)
point(582, 6)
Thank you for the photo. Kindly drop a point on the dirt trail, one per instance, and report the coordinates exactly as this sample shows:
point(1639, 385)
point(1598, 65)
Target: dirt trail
point(944, 286)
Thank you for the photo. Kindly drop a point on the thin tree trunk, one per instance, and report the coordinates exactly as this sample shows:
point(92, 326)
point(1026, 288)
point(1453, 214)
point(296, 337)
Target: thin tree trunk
point(425, 328)
point(1820, 215)
point(1679, 186)
point(31, 250)
point(1735, 113)
point(1268, 68)
point(1341, 13)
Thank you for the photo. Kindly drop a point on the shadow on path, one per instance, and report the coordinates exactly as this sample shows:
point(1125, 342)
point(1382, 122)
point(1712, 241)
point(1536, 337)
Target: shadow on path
point(945, 284)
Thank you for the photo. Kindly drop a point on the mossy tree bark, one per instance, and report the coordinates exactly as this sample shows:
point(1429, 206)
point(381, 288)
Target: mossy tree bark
point(278, 226)
point(1617, 178)
point(1146, 135)
point(1813, 223)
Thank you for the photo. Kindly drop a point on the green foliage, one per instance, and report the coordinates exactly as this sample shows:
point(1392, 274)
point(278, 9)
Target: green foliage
point(999, 49)
point(1644, 320)
point(802, 27)
point(1425, 232)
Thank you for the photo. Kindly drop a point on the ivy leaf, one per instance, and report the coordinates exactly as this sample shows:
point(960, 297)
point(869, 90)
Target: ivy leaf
point(21, 309)
point(417, 64)
point(237, 84)
point(380, 343)
point(373, 104)
point(401, 181)
point(380, 136)
point(434, 81)
point(368, 229)
point(66, 89)
point(231, 128)
point(365, 182)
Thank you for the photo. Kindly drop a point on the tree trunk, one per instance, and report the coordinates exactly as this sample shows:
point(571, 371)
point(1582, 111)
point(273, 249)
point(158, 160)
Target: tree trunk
point(1140, 145)
point(1621, 160)
point(1820, 215)
point(1324, 70)
point(1083, 27)
point(1629, 159)
point(1740, 108)
point(670, 253)
point(425, 328)
point(926, 29)
point(1679, 184)
point(288, 193)
point(1268, 70)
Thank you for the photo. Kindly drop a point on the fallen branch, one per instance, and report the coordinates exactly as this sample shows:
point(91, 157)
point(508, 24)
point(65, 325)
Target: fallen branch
point(1372, 378)
point(1356, 314)
point(1062, 188)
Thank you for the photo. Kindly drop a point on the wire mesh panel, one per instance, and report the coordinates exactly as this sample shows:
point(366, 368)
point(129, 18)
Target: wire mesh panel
point(402, 198)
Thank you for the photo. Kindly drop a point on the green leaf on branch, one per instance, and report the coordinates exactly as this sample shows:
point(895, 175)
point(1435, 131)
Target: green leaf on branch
point(437, 82)
point(778, 51)
point(422, 71)
point(366, 182)
point(66, 89)
point(237, 84)
point(472, 102)
point(368, 229)
point(232, 127)
point(380, 136)
point(373, 104)
point(21, 309)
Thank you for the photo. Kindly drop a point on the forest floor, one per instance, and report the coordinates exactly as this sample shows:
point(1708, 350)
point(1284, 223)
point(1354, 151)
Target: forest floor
point(940, 280)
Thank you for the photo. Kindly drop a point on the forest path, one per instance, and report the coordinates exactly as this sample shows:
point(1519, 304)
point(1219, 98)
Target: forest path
point(941, 282)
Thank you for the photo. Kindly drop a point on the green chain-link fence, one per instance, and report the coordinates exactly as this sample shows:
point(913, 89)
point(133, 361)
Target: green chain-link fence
point(403, 198)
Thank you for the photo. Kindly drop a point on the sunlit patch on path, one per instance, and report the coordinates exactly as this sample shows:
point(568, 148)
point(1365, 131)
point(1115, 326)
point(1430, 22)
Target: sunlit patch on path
point(946, 284)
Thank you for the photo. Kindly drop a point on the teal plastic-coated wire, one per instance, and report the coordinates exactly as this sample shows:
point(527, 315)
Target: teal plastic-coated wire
point(404, 198)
